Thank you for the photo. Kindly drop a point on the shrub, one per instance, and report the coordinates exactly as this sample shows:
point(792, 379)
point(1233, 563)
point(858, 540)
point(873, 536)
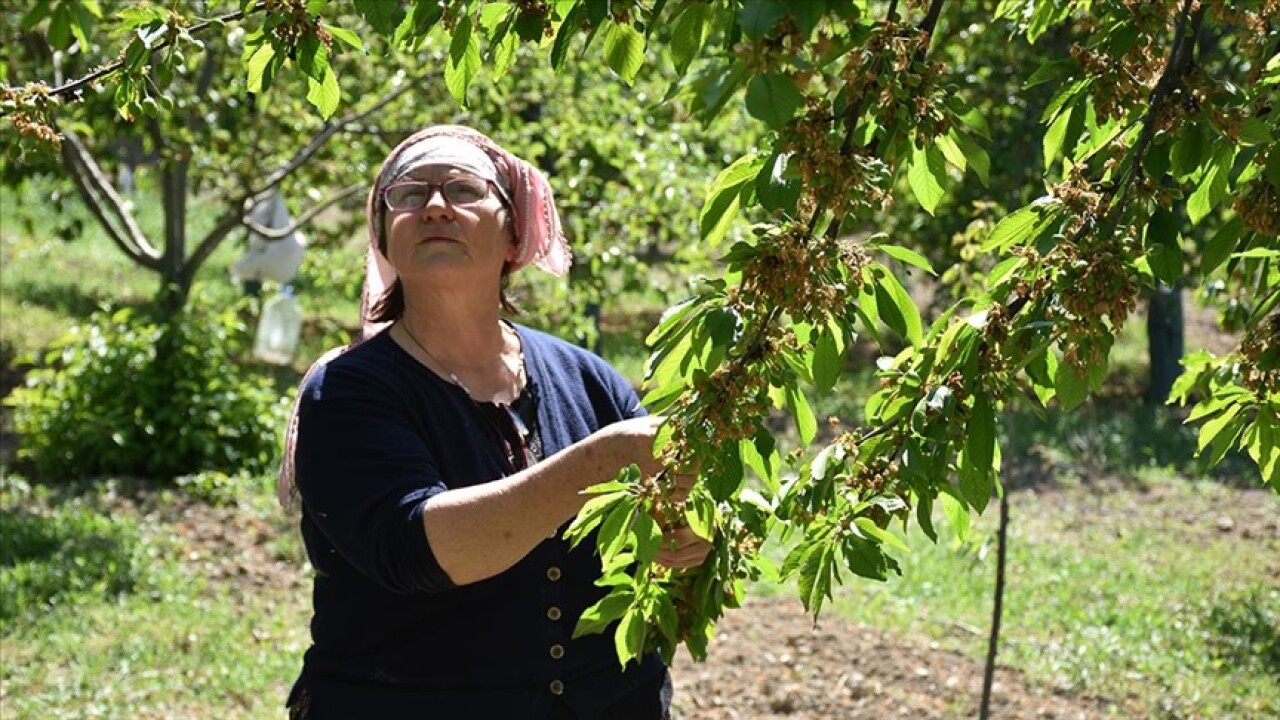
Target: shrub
point(123, 394)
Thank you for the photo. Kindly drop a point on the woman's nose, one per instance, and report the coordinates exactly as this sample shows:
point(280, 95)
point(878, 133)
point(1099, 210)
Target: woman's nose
point(436, 206)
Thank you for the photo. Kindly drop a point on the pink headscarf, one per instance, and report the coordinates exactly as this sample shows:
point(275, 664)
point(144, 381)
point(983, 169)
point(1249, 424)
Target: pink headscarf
point(539, 241)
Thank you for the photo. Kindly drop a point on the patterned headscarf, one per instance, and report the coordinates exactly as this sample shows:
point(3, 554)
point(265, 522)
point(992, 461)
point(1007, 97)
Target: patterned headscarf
point(539, 239)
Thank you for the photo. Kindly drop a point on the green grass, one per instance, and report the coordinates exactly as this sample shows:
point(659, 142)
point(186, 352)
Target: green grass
point(179, 641)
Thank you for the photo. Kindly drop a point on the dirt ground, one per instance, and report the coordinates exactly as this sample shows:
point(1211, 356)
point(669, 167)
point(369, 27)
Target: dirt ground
point(768, 662)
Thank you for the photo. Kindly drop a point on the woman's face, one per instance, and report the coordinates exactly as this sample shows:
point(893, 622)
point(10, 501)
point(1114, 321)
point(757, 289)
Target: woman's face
point(469, 242)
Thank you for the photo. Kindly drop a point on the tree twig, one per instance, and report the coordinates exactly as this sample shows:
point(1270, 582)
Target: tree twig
point(303, 155)
point(105, 70)
point(1176, 66)
point(271, 234)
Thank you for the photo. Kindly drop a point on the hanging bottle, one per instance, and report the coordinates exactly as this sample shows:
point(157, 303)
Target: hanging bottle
point(279, 328)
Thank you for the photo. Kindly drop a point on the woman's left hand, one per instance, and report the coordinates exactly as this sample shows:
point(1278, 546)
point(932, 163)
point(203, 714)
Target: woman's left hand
point(682, 548)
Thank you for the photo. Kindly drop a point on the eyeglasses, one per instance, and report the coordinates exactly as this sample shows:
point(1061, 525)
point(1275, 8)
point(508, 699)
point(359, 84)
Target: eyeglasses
point(414, 194)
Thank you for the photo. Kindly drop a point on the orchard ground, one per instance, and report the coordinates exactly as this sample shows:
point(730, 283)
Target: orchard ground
point(216, 620)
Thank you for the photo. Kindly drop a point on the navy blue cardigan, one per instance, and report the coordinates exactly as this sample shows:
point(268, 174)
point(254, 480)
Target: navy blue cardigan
point(379, 434)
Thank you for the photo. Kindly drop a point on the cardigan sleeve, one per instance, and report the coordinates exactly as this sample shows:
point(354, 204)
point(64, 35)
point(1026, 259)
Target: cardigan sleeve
point(364, 473)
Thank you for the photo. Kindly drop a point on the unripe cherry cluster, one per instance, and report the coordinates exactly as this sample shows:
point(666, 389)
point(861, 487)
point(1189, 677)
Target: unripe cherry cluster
point(28, 109)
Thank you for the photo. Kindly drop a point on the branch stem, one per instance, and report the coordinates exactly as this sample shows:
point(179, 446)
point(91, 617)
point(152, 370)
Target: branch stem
point(269, 234)
point(1176, 66)
point(106, 70)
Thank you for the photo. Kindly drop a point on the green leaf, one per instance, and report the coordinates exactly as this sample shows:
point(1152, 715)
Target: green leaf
point(774, 189)
point(884, 537)
point(721, 206)
point(981, 440)
point(976, 485)
point(896, 307)
point(689, 35)
point(1164, 249)
point(1272, 170)
point(59, 32)
point(1071, 387)
point(463, 62)
point(1264, 448)
point(1257, 253)
point(761, 455)
point(324, 94)
point(668, 618)
point(415, 26)
point(951, 151)
point(564, 35)
point(1188, 152)
point(595, 510)
point(1216, 426)
point(1254, 131)
point(806, 423)
point(1065, 97)
point(700, 513)
point(1222, 244)
point(132, 17)
point(628, 639)
point(623, 50)
point(615, 530)
point(925, 174)
point(1213, 186)
point(816, 574)
point(956, 513)
point(773, 98)
point(1012, 229)
point(504, 52)
point(1054, 136)
point(977, 156)
point(1051, 70)
point(384, 17)
point(597, 618)
point(648, 538)
point(346, 36)
point(39, 11)
point(256, 66)
point(757, 18)
point(908, 256)
point(312, 57)
point(827, 362)
point(667, 322)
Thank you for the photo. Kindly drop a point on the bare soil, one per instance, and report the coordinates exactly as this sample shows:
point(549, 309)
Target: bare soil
point(768, 661)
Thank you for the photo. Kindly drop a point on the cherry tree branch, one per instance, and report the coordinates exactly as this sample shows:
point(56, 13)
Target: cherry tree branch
point(235, 216)
point(1176, 66)
point(105, 70)
point(319, 140)
point(105, 203)
point(281, 233)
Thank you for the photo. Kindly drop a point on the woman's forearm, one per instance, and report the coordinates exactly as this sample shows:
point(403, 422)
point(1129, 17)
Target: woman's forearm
point(479, 531)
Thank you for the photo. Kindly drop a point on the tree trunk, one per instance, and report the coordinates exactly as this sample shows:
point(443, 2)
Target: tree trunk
point(997, 608)
point(175, 282)
point(1165, 342)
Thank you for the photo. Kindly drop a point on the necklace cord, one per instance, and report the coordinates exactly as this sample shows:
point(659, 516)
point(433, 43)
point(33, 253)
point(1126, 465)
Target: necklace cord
point(517, 376)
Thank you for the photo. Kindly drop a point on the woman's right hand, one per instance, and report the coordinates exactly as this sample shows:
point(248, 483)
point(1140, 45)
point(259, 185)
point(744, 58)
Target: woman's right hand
point(631, 442)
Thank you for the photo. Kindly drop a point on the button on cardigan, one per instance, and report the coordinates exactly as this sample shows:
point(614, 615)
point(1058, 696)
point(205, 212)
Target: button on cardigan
point(393, 637)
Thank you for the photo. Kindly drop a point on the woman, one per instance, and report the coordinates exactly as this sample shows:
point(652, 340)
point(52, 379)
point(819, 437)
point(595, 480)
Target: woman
point(438, 460)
